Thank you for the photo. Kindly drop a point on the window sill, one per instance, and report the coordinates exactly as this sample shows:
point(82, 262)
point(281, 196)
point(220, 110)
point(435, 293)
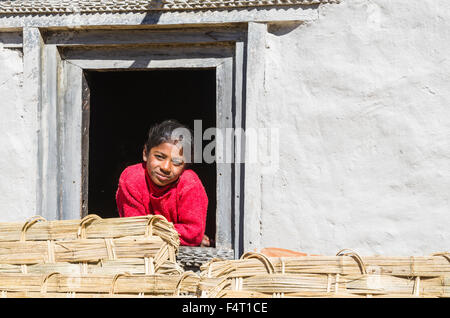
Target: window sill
point(193, 257)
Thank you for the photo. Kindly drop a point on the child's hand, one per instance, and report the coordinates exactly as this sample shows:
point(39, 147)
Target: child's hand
point(205, 241)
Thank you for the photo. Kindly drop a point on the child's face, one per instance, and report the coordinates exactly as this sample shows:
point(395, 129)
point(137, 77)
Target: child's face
point(165, 163)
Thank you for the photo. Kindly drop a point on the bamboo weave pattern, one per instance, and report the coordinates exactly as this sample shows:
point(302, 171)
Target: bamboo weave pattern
point(136, 257)
point(137, 244)
point(101, 285)
point(344, 275)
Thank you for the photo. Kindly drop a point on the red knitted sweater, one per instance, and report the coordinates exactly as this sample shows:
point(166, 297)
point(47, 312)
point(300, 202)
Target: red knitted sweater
point(183, 202)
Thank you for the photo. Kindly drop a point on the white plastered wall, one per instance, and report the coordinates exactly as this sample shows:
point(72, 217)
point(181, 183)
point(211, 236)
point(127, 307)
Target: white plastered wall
point(361, 98)
point(18, 141)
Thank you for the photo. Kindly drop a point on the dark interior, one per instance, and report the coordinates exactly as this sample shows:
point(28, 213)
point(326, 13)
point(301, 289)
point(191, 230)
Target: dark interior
point(123, 106)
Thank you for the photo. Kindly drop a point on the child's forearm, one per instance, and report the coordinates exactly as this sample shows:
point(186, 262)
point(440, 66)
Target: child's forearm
point(127, 205)
point(190, 234)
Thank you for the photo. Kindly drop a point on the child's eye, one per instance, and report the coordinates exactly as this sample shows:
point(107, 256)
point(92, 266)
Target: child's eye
point(177, 162)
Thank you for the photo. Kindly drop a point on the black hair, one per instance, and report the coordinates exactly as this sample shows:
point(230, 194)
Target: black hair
point(173, 132)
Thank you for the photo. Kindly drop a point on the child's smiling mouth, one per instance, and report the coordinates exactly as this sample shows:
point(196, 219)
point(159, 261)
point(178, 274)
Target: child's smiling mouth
point(162, 177)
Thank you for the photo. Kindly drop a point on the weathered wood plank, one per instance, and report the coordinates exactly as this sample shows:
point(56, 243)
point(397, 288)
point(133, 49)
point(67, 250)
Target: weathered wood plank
point(49, 133)
point(143, 36)
point(86, 105)
point(255, 97)
point(224, 152)
point(71, 142)
point(238, 166)
point(11, 40)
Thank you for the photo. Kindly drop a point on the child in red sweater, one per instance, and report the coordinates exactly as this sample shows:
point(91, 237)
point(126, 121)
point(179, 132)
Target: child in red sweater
point(163, 185)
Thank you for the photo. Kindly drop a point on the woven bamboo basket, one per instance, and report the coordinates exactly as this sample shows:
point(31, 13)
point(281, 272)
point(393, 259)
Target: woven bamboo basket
point(91, 245)
point(57, 285)
point(344, 275)
point(128, 265)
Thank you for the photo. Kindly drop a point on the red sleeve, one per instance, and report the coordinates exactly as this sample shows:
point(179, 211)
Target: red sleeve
point(128, 199)
point(192, 208)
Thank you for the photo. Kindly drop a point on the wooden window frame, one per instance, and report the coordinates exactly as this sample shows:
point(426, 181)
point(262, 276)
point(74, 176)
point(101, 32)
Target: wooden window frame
point(65, 109)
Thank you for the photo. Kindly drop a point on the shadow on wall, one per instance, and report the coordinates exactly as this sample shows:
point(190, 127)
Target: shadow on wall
point(154, 13)
point(151, 18)
point(288, 27)
point(283, 29)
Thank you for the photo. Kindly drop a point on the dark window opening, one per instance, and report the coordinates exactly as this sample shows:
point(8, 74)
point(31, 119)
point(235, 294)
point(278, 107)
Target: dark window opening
point(123, 106)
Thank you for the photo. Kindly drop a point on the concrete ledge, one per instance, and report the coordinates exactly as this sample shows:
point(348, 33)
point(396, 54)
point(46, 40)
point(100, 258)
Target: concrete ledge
point(161, 18)
point(102, 6)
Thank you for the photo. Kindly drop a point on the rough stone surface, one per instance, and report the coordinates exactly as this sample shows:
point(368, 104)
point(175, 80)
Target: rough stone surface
point(361, 97)
point(17, 151)
point(168, 18)
point(102, 6)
